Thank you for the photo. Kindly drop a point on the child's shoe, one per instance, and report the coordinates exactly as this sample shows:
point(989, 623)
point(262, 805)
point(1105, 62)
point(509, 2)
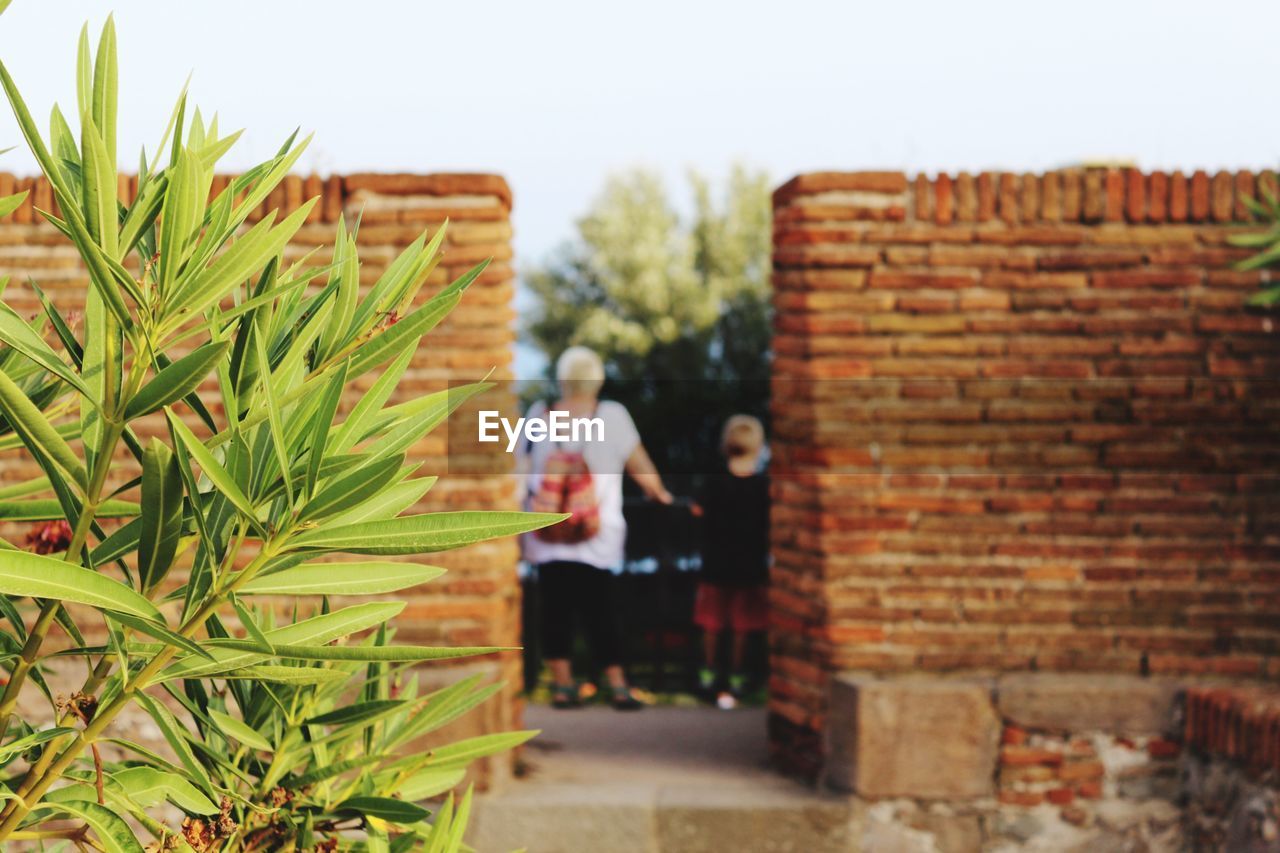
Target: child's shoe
point(726, 702)
point(707, 683)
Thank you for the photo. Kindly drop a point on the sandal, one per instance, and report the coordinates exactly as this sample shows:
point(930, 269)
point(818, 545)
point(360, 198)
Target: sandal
point(624, 700)
point(564, 697)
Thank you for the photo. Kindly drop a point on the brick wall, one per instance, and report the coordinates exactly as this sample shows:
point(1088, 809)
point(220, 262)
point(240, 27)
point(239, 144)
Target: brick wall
point(1020, 422)
point(477, 602)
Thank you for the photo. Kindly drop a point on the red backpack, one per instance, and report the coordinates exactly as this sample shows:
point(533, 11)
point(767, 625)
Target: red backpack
point(567, 487)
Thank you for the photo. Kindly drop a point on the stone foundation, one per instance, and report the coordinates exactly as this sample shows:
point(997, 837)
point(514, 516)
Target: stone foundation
point(1056, 763)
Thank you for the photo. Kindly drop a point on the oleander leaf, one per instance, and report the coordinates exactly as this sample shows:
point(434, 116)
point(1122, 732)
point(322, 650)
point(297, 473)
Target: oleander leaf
point(178, 739)
point(22, 744)
point(363, 578)
point(38, 576)
point(352, 489)
point(15, 332)
point(392, 654)
point(10, 203)
point(469, 749)
point(316, 630)
point(350, 714)
point(421, 534)
point(148, 786)
point(37, 433)
point(111, 831)
point(49, 509)
point(177, 380)
point(212, 468)
point(161, 521)
point(386, 808)
point(240, 731)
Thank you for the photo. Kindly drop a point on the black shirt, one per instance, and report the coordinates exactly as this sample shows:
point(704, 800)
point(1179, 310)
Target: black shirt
point(735, 529)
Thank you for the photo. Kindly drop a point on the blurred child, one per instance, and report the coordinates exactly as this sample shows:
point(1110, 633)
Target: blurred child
point(733, 587)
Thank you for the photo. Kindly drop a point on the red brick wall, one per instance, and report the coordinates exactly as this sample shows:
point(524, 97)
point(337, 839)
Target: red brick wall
point(1020, 422)
point(477, 602)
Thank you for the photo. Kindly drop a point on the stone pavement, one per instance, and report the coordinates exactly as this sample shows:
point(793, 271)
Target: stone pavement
point(665, 780)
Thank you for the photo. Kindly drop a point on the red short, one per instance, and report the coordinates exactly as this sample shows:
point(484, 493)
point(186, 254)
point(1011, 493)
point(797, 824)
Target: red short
point(742, 608)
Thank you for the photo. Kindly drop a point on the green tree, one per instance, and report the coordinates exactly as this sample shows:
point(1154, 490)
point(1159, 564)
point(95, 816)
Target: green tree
point(679, 311)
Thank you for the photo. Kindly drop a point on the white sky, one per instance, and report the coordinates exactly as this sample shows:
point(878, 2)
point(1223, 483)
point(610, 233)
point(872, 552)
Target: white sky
point(555, 94)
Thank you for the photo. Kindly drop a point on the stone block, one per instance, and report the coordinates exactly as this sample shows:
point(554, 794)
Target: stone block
point(1080, 702)
point(916, 736)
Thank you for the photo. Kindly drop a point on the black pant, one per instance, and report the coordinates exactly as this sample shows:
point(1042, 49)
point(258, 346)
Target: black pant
point(573, 593)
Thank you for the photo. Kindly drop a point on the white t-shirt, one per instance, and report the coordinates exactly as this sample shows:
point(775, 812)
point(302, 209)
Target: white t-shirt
point(607, 460)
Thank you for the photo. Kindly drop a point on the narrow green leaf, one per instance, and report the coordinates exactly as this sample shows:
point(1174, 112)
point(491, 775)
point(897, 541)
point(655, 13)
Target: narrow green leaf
point(403, 334)
point(15, 332)
point(161, 632)
point(444, 707)
point(177, 738)
point(352, 489)
point(38, 576)
point(248, 254)
point(211, 467)
point(370, 403)
point(49, 509)
point(342, 579)
point(391, 502)
point(100, 205)
point(240, 731)
point(36, 432)
point(354, 713)
point(430, 783)
point(386, 808)
point(177, 380)
point(391, 654)
point(22, 744)
point(321, 423)
point(105, 87)
point(468, 750)
point(161, 523)
point(10, 203)
point(101, 355)
point(149, 787)
point(179, 219)
point(275, 427)
point(84, 73)
point(250, 625)
point(110, 829)
point(296, 676)
point(420, 534)
point(318, 630)
point(319, 774)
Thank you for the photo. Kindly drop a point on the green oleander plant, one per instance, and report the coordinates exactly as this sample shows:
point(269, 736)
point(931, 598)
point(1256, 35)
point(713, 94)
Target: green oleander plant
point(1267, 243)
point(189, 434)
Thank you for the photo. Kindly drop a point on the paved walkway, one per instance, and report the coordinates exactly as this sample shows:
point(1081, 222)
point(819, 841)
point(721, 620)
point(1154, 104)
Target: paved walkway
point(664, 780)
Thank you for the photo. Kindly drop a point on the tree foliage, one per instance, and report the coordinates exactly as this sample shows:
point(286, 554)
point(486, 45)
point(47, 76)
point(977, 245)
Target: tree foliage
point(284, 732)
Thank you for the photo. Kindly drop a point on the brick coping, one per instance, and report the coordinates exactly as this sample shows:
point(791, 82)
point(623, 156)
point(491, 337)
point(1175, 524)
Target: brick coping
point(1084, 195)
point(333, 191)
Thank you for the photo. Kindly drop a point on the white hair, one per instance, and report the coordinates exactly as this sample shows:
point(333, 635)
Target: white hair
point(579, 371)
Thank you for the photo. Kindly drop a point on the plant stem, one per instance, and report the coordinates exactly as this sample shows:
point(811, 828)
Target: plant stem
point(49, 610)
point(36, 784)
point(93, 496)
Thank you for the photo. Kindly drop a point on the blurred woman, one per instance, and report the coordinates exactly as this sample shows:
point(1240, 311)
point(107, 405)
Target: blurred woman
point(576, 560)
